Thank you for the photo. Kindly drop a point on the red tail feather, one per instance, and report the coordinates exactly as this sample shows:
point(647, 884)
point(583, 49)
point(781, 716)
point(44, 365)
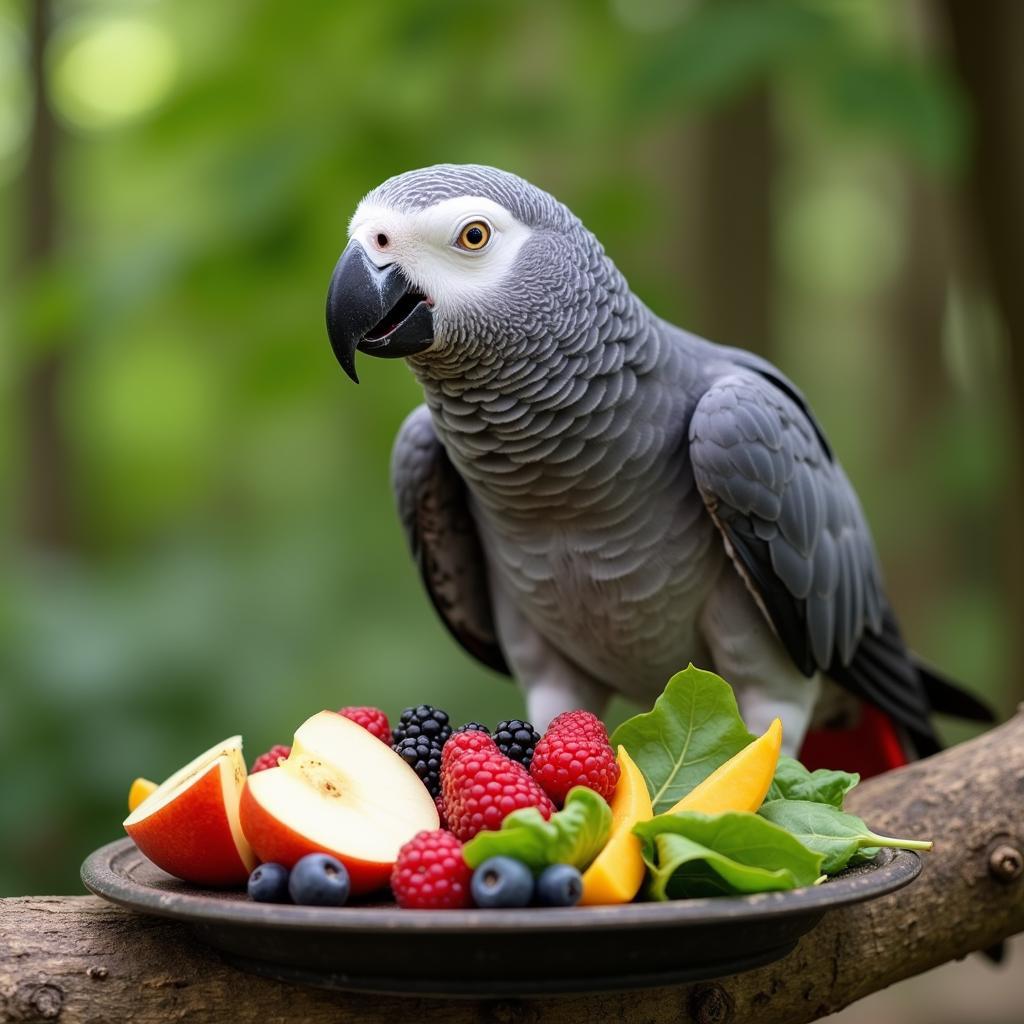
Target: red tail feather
point(871, 747)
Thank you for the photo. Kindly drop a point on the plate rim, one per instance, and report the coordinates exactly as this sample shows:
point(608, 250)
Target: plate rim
point(899, 868)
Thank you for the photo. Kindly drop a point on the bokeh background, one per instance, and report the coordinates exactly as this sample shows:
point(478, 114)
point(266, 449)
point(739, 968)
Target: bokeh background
point(198, 535)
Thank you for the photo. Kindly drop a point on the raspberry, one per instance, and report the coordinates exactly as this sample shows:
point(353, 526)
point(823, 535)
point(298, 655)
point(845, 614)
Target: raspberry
point(578, 721)
point(441, 816)
point(373, 720)
point(430, 873)
point(423, 756)
point(575, 752)
point(473, 727)
point(462, 742)
point(269, 759)
point(422, 720)
point(481, 787)
point(517, 739)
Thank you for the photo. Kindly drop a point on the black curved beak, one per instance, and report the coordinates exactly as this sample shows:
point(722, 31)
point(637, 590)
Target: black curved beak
point(376, 310)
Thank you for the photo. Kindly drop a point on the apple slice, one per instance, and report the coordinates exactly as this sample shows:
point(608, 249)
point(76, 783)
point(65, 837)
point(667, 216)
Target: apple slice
point(189, 826)
point(341, 791)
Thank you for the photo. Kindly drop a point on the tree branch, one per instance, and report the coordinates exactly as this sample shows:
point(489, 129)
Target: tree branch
point(79, 960)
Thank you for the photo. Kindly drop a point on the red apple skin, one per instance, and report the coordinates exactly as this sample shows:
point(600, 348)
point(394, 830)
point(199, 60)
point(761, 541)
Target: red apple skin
point(276, 842)
point(191, 839)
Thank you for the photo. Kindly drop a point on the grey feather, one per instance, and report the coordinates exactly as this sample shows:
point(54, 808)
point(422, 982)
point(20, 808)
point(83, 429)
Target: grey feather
point(442, 536)
point(589, 469)
point(821, 554)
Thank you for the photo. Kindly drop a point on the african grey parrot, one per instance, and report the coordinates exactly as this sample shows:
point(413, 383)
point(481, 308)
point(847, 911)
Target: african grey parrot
point(596, 497)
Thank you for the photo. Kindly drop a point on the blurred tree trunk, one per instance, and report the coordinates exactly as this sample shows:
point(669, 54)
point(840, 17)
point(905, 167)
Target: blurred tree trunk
point(915, 307)
point(986, 40)
point(918, 305)
point(47, 504)
point(735, 214)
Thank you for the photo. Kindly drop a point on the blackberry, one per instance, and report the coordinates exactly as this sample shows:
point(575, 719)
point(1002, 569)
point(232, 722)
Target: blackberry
point(473, 727)
point(516, 739)
point(423, 756)
point(423, 720)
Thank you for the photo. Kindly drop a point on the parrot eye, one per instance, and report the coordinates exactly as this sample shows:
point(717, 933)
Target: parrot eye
point(475, 235)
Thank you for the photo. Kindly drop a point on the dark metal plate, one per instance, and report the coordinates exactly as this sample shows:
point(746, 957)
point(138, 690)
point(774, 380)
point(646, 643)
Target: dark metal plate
point(379, 948)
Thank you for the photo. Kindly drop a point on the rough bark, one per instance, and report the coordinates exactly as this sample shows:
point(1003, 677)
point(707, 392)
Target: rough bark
point(81, 961)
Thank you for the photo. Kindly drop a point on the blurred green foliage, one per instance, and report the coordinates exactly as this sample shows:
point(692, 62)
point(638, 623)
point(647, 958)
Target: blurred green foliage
point(235, 561)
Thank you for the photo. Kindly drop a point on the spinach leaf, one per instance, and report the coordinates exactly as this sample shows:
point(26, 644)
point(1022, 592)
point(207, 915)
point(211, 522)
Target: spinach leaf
point(836, 835)
point(692, 854)
point(863, 855)
point(574, 835)
point(794, 782)
point(693, 728)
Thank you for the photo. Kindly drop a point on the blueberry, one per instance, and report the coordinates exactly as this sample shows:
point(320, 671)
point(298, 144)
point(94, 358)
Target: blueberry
point(502, 882)
point(269, 884)
point(319, 880)
point(560, 885)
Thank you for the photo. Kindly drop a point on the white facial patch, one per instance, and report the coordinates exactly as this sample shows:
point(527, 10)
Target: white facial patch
point(423, 244)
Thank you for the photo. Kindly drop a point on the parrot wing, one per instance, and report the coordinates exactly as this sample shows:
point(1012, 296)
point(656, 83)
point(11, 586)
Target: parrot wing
point(443, 537)
point(794, 528)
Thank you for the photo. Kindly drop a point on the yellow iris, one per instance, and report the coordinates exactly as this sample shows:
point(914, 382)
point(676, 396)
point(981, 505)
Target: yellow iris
point(474, 235)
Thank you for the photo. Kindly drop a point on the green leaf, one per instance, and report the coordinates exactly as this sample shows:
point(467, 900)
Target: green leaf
point(691, 854)
point(794, 782)
point(574, 835)
point(833, 833)
point(693, 728)
point(863, 855)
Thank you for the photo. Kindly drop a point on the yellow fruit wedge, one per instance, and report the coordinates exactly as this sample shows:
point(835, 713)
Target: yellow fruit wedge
point(617, 873)
point(141, 788)
point(742, 782)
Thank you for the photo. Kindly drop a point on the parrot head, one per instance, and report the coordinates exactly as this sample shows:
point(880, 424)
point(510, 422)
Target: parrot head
point(458, 265)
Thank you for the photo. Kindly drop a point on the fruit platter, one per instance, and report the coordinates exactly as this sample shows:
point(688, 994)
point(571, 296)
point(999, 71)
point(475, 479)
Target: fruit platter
point(434, 859)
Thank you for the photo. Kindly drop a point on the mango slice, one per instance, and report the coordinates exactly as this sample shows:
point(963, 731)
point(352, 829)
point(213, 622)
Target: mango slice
point(742, 782)
point(141, 788)
point(616, 874)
